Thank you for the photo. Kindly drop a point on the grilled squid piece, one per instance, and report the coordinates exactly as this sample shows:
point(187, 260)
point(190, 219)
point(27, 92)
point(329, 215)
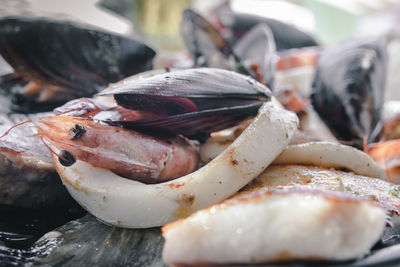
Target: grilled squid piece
point(331, 155)
point(132, 204)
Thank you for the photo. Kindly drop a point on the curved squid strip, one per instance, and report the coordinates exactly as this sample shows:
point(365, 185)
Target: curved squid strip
point(326, 154)
point(127, 203)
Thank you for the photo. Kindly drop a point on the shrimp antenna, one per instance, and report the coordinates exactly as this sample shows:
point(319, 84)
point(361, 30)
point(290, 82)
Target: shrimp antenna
point(12, 127)
point(51, 150)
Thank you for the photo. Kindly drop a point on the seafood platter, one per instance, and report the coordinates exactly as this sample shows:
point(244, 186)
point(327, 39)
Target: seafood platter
point(238, 159)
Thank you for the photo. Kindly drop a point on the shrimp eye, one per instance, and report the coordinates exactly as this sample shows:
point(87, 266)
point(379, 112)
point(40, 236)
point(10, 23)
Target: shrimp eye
point(77, 131)
point(66, 159)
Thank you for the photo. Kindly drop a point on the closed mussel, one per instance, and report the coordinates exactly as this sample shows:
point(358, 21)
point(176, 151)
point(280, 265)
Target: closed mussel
point(348, 89)
point(191, 102)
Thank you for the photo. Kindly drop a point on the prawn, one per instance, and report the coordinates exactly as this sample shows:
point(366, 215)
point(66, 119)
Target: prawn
point(127, 153)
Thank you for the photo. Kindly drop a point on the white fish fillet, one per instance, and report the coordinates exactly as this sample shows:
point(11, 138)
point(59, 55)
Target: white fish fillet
point(289, 212)
point(260, 227)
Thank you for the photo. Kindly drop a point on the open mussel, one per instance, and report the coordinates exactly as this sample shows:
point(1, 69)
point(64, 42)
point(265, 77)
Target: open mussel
point(191, 102)
point(257, 50)
point(68, 60)
point(348, 89)
point(204, 42)
point(209, 49)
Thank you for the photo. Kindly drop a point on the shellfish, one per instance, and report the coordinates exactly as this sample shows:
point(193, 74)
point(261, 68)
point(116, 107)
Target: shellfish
point(65, 59)
point(207, 99)
point(348, 89)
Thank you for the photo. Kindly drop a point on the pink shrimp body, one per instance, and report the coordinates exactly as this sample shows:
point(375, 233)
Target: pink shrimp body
point(125, 152)
point(387, 155)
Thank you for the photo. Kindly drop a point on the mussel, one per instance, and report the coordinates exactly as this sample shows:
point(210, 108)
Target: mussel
point(191, 102)
point(257, 50)
point(285, 36)
point(64, 57)
point(348, 89)
point(209, 49)
point(204, 42)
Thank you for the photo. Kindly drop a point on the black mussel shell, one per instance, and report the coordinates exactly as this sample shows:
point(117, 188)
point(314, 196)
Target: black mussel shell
point(196, 125)
point(70, 56)
point(286, 36)
point(348, 89)
point(206, 45)
point(13, 90)
point(193, 83)
point(191, 102)
point(257, 48)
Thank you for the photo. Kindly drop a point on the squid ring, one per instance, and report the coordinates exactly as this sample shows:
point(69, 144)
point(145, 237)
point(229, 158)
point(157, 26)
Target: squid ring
point(127, 203)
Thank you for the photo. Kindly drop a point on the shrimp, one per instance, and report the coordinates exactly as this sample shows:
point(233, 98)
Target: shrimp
point(127, 153)
point(387, 155)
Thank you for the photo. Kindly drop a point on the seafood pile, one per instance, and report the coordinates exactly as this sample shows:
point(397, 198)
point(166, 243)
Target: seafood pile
point(235, 163)
point(35, 82)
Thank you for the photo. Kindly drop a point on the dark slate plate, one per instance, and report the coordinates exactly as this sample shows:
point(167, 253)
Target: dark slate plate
point(88, 242)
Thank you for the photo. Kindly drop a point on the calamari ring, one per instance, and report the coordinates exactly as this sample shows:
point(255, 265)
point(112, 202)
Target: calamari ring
point(127, 203)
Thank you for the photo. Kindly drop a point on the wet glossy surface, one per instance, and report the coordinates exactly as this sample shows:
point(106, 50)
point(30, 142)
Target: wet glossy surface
point(87, 241)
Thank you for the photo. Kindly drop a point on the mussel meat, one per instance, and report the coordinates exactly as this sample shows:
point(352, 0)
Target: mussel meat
point(348, 89)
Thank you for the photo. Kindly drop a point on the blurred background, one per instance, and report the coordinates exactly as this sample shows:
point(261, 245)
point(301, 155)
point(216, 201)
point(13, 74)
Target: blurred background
point(330, 21)
point(158, 21)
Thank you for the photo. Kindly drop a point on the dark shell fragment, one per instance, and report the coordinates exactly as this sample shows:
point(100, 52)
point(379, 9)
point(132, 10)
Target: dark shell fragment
point(190, 102)
point(348, 89)
point(74, 58)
